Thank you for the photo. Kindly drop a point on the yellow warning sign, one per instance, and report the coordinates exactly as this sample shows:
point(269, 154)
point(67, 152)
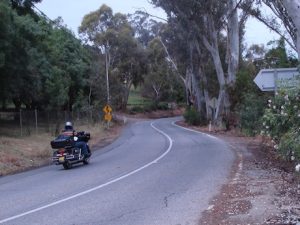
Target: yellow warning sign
point(107, 109)
point(108, 117)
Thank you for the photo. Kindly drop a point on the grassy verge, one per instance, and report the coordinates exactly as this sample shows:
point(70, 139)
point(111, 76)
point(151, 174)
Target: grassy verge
point(135, 99)
point(19, 154)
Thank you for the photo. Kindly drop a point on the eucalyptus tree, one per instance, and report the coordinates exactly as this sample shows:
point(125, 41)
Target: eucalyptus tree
point(24, 7)
point(204, 21)
point(283, 20)
point(69, 66)
point(155, 81)
point(6, 48)
point(96, 29)
point(293, 10)
point(143, 27)
point(130, 62)
point(114, 37)
point(23, 58)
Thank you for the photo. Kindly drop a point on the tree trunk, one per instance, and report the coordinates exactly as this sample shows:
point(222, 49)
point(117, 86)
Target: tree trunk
point(293, 9)
point(17, 102)
point(204, 82)
point(126, 94)
point(214, 50)
point(233, 42)
point(196, 92)
point(205, 93)
point(188, 86)
point(184, 80)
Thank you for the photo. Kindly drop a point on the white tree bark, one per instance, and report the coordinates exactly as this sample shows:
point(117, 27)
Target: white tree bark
point(214, 51)
point(156, 88)
point(233, 42)
point(171, 60)
point(293, 9)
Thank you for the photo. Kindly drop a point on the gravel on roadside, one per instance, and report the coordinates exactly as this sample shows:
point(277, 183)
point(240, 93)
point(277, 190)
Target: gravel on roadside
point(262, 189)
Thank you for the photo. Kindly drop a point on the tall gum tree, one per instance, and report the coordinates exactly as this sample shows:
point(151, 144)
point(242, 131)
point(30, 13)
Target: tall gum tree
point(94, 29)
point(284, 19)
point(293, 9)
point(207, 19)
point(114, 37)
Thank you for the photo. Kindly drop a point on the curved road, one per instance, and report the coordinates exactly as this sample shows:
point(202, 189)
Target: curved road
point(155, 173)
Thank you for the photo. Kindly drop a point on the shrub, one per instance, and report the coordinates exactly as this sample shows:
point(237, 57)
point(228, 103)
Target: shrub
point(289, 145)
point(192, 117)
point(136, 109)
point(281, 122)
point(251, 112)
point(162, 106)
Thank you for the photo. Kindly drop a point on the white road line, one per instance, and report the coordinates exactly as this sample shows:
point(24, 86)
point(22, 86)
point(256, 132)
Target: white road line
point(100, 186)
point(240, 166)
point(174, 124)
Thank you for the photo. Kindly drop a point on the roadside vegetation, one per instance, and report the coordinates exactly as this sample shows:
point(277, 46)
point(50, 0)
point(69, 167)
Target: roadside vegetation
point(24, 153)
point(195, 58)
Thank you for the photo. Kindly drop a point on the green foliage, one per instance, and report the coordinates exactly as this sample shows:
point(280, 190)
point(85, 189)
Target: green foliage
point(192, 117)
point(42, 64)
point(289, 145)
point(251, 112)
point(281, 121)
point(160, 83)
point(162, 106)
point(126, 58)
point(136, 109)
point(251, 101)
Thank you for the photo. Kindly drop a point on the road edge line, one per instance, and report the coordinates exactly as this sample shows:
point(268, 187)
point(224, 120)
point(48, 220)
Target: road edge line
point(99, 186)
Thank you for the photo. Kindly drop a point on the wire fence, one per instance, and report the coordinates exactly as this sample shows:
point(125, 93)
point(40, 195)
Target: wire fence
point(32, 122)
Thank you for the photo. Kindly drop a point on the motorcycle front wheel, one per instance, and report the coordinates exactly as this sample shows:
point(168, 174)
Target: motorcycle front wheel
point(67, 165)
point(86, 161)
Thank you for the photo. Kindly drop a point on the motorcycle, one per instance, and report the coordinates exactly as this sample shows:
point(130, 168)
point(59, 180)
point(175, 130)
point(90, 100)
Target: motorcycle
point(66, 153)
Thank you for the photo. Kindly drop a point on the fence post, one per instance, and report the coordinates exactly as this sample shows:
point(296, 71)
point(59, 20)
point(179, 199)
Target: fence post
point(21, 126)
point(91, 116)
point(65, 115)
point(36, 121)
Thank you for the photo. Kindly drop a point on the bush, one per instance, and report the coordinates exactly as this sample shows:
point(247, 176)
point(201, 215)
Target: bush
point(162, 106)
point(251, 112)
point(289, 145)
point(192, 117)
point(281, 122)
point(136, 109)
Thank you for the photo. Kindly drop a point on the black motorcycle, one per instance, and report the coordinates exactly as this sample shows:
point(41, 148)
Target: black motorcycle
point(66, 153)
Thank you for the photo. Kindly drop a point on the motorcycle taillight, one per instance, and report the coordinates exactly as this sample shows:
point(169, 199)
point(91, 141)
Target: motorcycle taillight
point(61, 151)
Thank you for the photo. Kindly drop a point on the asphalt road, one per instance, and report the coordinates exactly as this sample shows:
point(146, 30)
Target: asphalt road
point(155, 173)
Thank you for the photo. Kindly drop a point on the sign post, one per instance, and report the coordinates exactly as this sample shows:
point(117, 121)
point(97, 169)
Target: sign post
point(270, 79)
point(213, 105)
point(108, 114)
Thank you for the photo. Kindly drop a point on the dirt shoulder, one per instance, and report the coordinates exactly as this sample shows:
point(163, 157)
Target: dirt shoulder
point(261, 189)
point(25, 153)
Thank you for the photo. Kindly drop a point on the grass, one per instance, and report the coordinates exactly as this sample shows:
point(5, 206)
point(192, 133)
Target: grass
point(19, 154)
point(136, 99)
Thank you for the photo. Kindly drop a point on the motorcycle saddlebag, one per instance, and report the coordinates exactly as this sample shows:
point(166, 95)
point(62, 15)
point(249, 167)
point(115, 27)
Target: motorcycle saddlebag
point(83, 136)
point(62, 141)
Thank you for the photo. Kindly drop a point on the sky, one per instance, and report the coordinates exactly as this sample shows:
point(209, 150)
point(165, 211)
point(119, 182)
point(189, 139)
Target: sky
point(73, 11)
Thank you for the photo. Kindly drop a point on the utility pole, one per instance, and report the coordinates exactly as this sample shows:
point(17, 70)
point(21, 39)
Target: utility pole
point(107, 62)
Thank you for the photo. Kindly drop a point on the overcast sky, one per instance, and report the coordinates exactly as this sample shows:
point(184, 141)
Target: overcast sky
point(73, 11)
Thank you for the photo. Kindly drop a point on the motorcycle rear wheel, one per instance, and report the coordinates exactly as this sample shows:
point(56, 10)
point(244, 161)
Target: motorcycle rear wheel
point(67, 165)
point(86, 161)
